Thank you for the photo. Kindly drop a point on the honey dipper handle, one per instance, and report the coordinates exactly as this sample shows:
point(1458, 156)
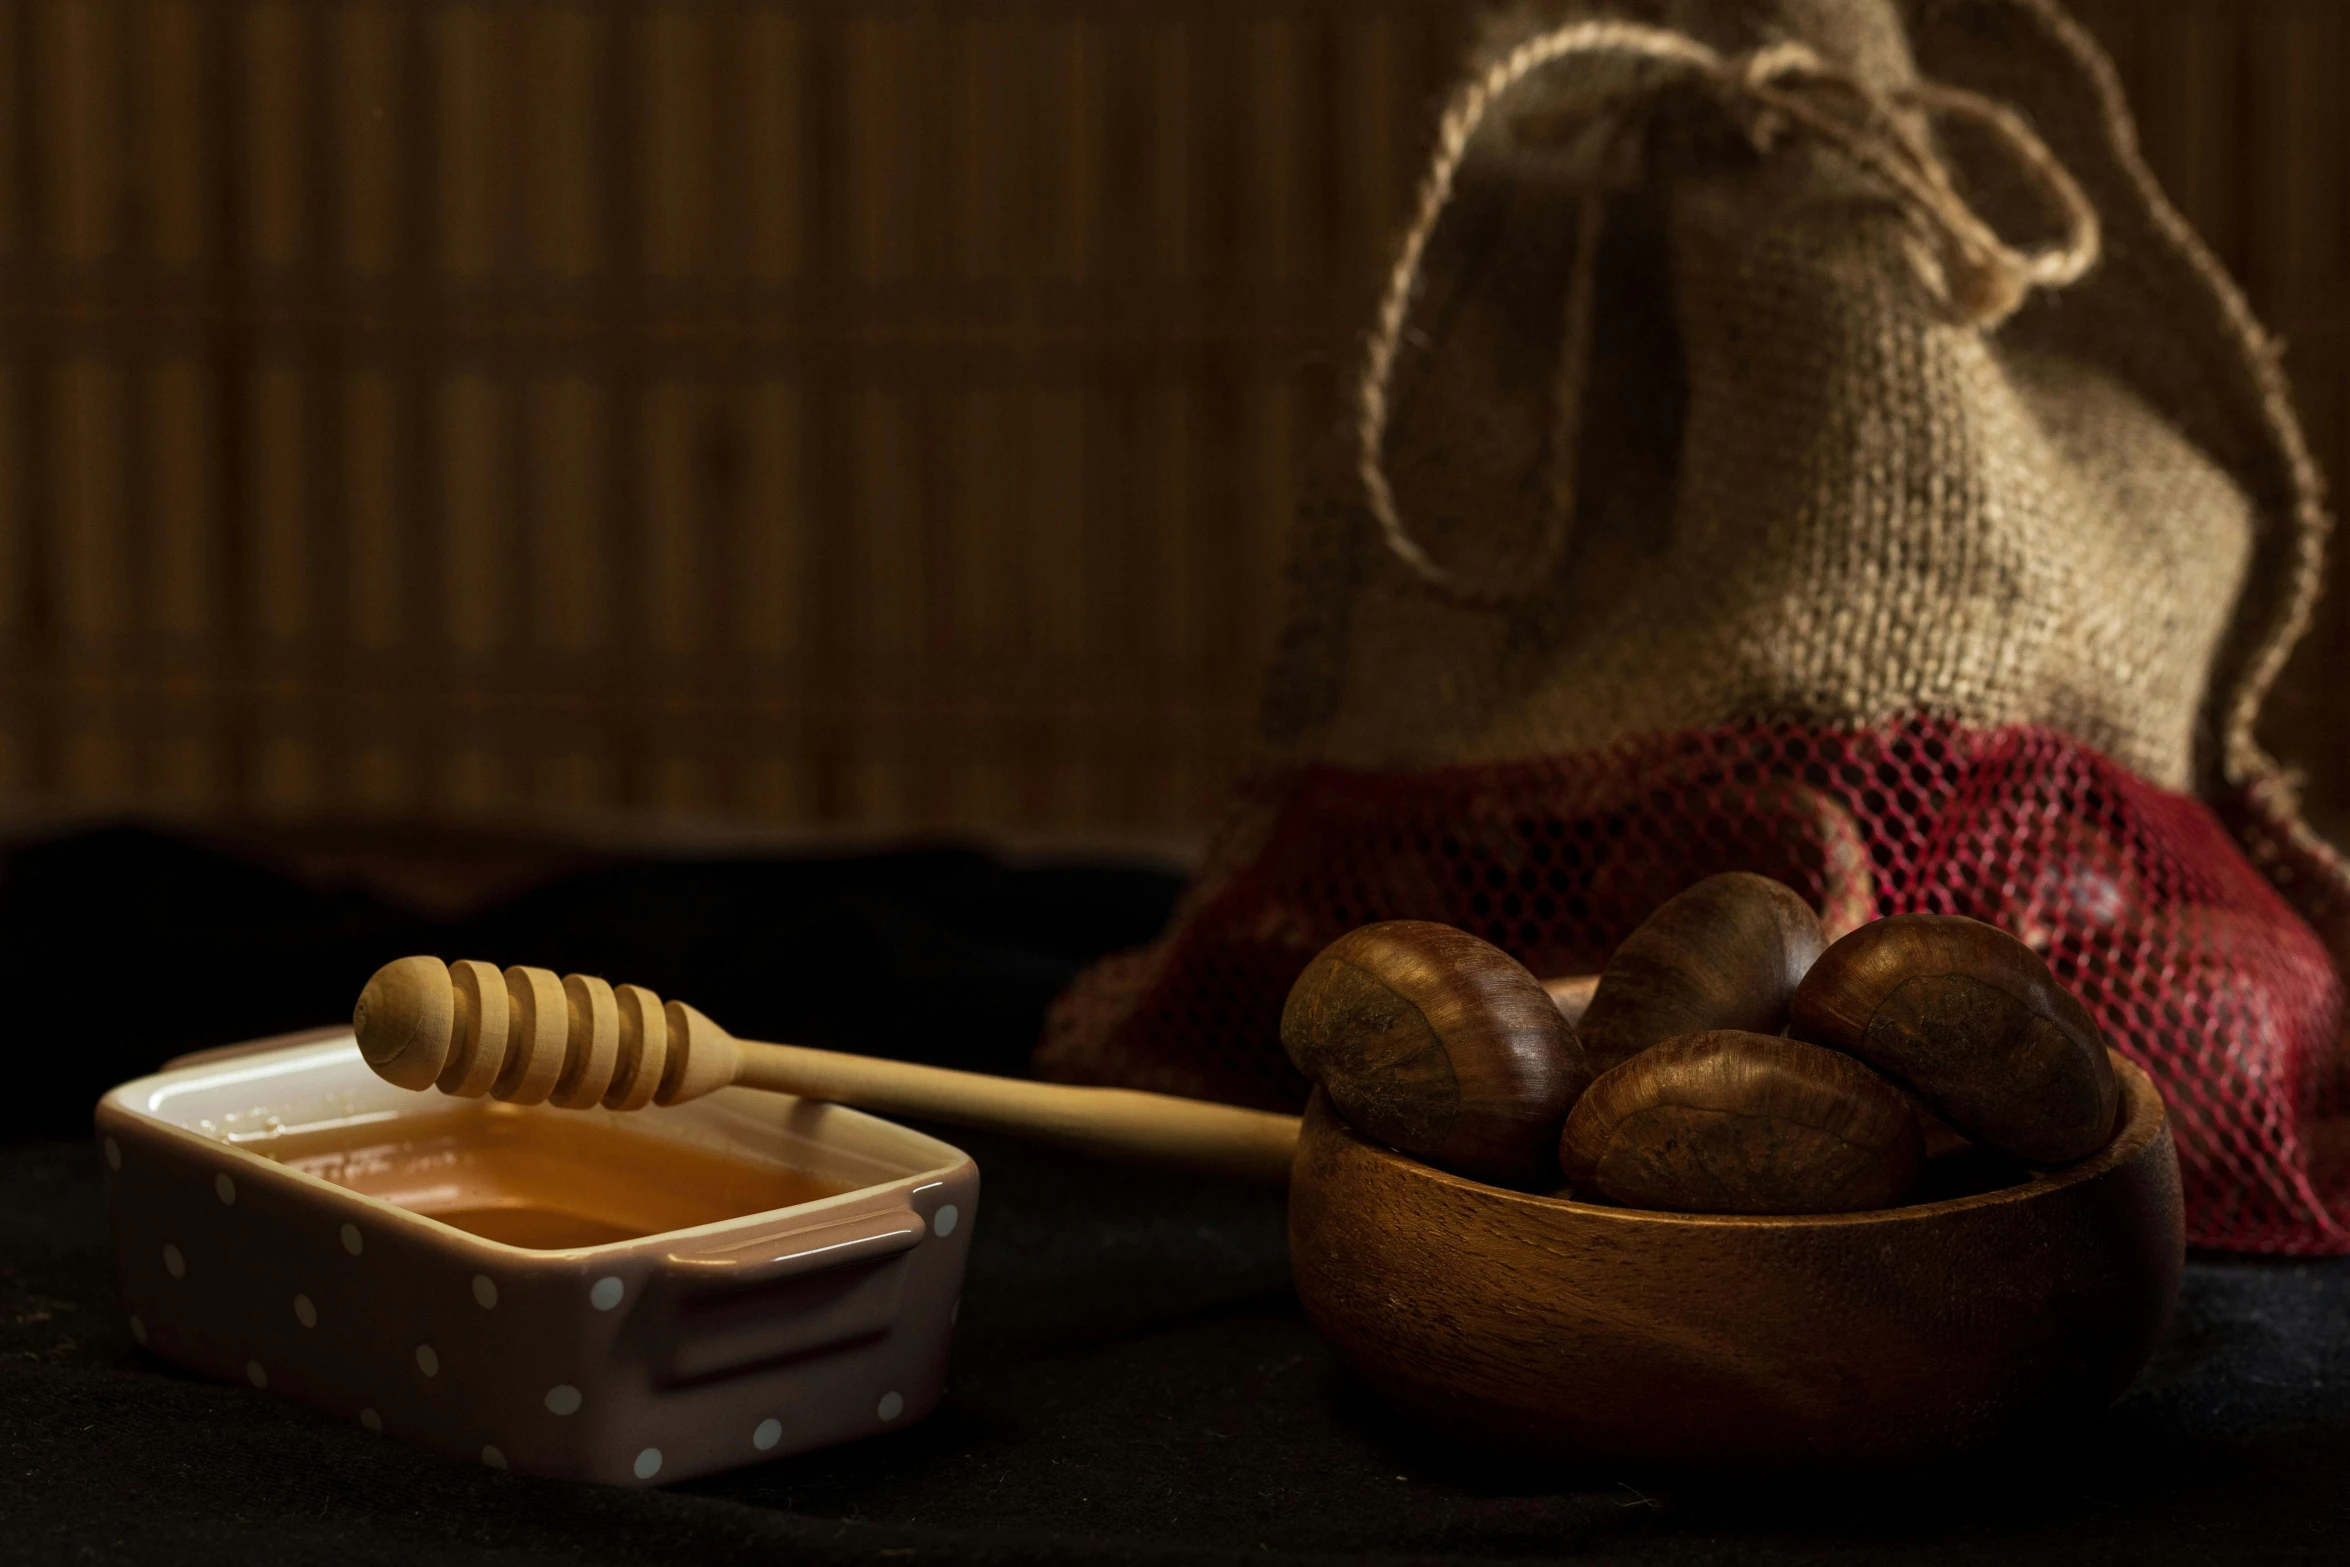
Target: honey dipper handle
point(1117, 1123)
point(524, 1036)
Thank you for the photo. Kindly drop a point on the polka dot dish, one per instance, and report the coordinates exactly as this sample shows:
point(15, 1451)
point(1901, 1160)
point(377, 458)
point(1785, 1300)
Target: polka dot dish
point(604, 1353)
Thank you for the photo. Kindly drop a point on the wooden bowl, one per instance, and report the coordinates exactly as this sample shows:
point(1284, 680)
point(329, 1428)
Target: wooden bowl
point(1869, 1340)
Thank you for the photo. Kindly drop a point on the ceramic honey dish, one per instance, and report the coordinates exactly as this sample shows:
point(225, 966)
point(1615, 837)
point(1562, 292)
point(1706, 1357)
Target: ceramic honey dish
point(631, 1298)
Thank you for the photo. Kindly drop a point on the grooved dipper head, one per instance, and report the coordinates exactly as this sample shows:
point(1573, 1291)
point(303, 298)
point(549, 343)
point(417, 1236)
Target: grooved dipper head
point(405, 1020)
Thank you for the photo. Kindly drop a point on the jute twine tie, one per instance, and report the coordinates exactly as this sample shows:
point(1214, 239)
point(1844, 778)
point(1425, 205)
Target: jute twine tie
point(1767, 92)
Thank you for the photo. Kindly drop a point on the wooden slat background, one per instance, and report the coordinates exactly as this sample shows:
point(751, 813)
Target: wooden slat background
point(796, 414)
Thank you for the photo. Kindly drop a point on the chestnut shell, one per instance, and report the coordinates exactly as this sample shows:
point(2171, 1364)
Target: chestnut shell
point(1970, 1019)
point(1440, 1045)
point(1736, 1122)
point(1726, 952)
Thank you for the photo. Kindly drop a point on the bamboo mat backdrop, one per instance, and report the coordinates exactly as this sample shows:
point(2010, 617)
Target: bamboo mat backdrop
point(796, 415)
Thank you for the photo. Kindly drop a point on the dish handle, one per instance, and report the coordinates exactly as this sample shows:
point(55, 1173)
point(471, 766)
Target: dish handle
point(787, 1294)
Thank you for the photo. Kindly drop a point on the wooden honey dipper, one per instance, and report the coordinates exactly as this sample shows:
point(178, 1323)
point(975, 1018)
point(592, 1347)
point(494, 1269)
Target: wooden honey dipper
point(528, 1037)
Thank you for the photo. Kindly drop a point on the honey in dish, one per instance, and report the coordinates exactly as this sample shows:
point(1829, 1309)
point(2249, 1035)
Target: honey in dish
point(548, 1182)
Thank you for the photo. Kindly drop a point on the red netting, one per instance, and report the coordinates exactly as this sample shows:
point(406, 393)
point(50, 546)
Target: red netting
point(2137, 897)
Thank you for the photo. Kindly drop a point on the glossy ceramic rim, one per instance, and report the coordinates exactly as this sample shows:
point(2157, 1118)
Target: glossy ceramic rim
point(130, 1100)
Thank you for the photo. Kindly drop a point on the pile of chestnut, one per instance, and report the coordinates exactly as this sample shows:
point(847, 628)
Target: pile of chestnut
point(1730, 1060)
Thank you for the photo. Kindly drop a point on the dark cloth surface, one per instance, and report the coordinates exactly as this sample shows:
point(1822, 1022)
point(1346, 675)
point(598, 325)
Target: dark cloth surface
point(1132, 1378)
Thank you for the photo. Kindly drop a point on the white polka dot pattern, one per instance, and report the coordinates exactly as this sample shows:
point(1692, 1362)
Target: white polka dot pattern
point(223, 1267)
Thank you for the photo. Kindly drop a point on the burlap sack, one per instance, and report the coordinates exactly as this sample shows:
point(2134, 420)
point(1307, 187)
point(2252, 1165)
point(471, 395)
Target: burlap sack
point(1800, 437)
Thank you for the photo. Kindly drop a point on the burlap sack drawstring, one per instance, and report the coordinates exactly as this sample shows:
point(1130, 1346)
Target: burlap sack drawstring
point(1984, 278)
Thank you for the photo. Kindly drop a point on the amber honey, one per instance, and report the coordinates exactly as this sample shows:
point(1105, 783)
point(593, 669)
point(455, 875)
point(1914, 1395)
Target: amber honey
point(546, 1181)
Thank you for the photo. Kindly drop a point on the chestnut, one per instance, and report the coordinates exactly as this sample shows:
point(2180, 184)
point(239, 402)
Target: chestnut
point(1725, 953)
point(1972, 1022)
point(1439, 1045)
point(1734, 1122)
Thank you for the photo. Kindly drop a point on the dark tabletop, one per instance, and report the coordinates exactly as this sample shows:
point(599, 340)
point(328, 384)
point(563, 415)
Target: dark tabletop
point(1132, 1378)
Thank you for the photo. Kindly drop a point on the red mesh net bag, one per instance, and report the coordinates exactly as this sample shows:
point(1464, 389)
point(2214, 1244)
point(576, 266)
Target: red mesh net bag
point(1799, 437)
